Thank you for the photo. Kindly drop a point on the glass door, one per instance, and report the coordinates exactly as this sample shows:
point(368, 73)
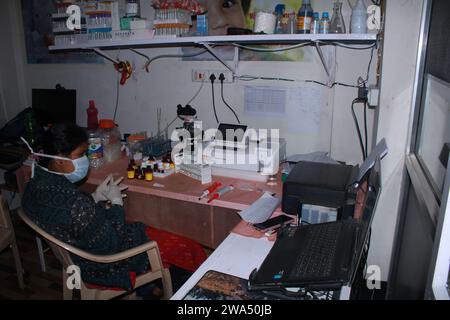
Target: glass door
point(421, 222)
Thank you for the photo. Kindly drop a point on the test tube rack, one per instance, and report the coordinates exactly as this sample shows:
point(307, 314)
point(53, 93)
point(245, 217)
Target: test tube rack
point(200, 172)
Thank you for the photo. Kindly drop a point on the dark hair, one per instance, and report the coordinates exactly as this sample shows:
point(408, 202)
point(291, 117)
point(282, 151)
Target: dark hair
point(246, 5)
point(62, 139)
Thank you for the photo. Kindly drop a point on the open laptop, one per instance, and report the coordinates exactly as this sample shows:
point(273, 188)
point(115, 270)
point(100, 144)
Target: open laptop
point(320, 256)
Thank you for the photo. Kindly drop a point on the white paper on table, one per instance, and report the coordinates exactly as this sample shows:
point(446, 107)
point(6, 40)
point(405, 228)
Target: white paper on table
point(261, 210)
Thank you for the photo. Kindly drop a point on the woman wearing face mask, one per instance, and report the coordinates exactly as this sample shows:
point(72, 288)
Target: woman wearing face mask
point(53, 201)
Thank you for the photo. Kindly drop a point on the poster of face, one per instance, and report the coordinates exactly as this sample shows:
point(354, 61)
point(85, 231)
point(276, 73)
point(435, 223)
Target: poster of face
point(224, 14)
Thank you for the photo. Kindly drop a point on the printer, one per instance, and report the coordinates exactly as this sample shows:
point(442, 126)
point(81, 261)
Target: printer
point(242, 157)
point(320, 184)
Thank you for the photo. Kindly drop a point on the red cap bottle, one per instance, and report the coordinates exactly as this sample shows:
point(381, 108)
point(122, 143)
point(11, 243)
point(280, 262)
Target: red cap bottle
point(92, 116)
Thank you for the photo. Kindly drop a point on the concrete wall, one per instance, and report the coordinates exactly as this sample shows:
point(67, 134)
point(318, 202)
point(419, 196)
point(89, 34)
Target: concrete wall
point(13, 96)
point(399, 65)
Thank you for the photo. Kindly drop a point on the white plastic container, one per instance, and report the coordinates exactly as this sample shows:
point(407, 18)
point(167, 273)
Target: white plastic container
point(359, 18)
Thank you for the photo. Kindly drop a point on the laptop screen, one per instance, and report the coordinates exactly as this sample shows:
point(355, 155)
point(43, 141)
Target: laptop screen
point(372, 186)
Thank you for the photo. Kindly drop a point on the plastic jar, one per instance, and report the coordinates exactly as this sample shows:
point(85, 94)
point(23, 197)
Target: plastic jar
point(110, 134)
point(95, 150)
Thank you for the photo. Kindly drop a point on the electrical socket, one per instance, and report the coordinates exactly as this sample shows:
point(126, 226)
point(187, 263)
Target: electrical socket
point(199, 75)
point(373, 97)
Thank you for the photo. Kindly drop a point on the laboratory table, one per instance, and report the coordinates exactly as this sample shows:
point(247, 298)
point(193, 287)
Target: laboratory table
point(173, 204)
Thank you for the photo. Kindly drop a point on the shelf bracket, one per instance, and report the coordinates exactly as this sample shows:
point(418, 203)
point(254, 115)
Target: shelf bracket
point(104, 55)
point(322, 58)
point(211, 50)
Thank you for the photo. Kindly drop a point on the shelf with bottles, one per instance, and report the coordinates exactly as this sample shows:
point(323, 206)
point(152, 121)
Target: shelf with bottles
point(151, 41)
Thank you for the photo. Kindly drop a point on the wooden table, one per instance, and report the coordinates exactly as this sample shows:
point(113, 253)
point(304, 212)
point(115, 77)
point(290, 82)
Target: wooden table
point(176, 208)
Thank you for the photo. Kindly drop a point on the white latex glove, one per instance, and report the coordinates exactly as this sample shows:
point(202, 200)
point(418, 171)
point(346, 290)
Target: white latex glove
point(102, 189)
point(114, 193)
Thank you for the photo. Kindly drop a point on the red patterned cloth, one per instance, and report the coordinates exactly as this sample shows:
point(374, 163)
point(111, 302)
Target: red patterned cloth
point(176, 250)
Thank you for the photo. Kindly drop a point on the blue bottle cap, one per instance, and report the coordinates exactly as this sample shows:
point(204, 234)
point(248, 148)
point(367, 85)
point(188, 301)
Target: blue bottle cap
point(316, 15)
point(280, 8)
point(325, 15)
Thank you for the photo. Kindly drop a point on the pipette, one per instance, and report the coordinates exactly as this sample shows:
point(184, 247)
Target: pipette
point(220, 193)
point(210, 190)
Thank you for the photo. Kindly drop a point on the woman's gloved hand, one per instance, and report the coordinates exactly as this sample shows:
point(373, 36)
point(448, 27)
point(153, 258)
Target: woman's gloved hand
point(109, 190)
point(102, 189)
point(114, 194)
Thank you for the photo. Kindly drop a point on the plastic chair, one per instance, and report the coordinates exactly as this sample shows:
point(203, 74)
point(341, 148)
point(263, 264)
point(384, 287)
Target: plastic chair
point(8, 238)
point(62, 252)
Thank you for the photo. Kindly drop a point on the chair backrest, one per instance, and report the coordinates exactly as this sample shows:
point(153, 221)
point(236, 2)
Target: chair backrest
point(59, 248)
point(5, 218)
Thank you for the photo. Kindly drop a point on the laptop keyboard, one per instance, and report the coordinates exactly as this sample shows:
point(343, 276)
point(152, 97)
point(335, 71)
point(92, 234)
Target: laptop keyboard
point(317, 260)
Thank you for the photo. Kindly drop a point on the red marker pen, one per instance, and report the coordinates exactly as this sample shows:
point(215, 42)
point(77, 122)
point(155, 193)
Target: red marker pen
point(210, 190)
point(220, 193)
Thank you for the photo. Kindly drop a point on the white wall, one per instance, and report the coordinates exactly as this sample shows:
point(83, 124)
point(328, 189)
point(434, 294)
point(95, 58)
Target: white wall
point(399, 65)
point(12, 82)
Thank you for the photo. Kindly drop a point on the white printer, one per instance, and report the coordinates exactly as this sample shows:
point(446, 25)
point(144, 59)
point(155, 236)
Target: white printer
point(245, 157)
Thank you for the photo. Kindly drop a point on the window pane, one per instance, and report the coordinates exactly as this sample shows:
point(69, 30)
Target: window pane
point(435, 129)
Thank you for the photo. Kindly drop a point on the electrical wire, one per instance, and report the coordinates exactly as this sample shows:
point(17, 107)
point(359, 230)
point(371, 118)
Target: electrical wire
point(214, 101)
point(370, 65)
point(253, 78)
point(229, 107)
point(338, 44)
point(358, 129)
point(366, 130)
point(272, 49)
point(333, 84)
point(117, 97)
point(163, 56)
point(198, 92)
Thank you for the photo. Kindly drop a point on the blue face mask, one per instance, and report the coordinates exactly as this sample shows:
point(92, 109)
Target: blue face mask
point(81, 166)
point(81, 170)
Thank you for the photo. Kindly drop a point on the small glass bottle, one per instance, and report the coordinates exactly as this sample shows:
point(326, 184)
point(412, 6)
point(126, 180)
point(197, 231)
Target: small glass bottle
point(148, 174)
point(132, 8)
point(324, 27)
point(304, 19)
point(95, 149)
point(131, 172)
point(337, 24)
point(358, 22)
point(315, 24)
point(279, 12)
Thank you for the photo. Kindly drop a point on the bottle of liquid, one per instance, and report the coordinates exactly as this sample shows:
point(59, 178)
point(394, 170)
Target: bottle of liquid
point(95, 150)
point(149, 174)
point(337, 24)
point(304, 18)
point(131, 172)
point(315, 24)
point(359, 18)
point(292, 23)
point(111, 137)
point(324, 23)
point(279, 12)
point(132, 8)
point(30, 129)
point(92, 112)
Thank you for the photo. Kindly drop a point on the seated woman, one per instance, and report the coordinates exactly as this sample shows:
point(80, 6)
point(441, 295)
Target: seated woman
point(89, 222)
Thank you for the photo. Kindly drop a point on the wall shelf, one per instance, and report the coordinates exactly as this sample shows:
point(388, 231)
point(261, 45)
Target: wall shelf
point(209, 42)
point(357, 39)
